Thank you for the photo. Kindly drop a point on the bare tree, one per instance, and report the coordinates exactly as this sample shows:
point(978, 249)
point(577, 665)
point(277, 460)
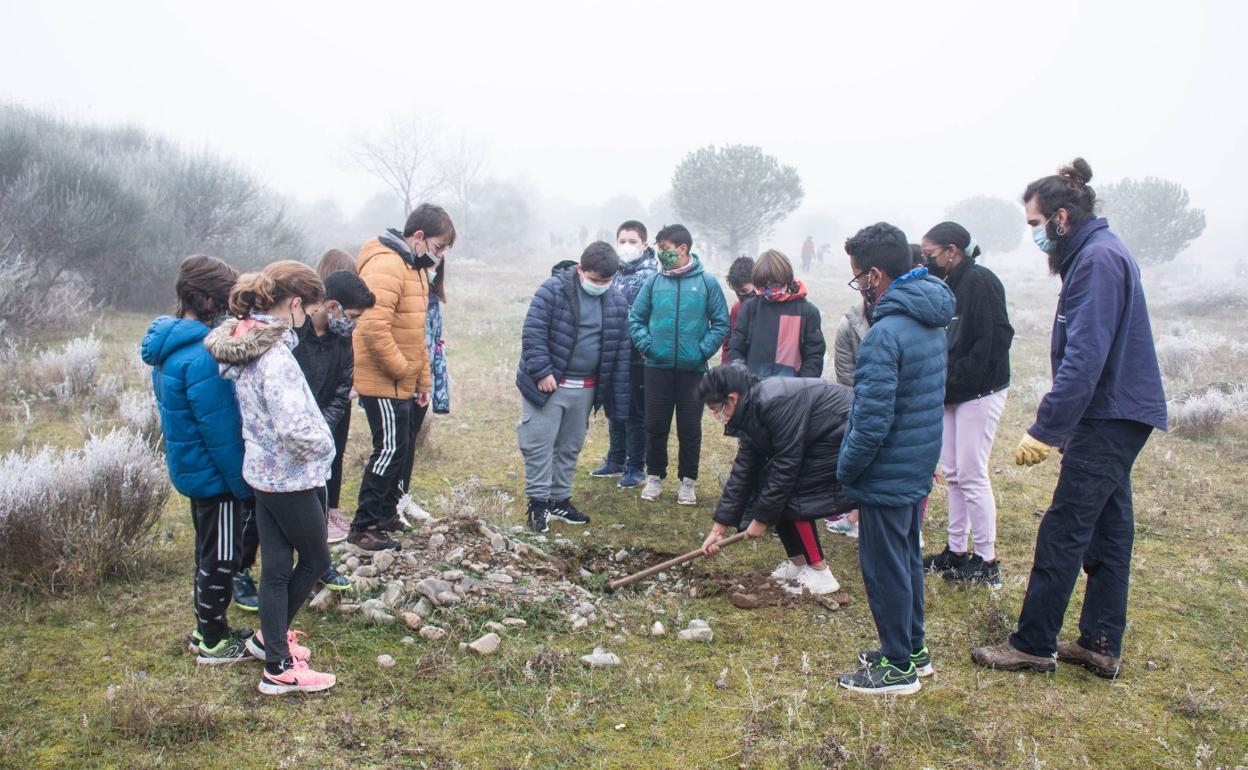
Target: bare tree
point(402, 156)
point(461, 169)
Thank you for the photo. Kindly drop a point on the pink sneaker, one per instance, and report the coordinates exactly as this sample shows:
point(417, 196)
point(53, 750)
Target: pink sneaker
point(297, 678)
point(337, 526)
point(255, 645)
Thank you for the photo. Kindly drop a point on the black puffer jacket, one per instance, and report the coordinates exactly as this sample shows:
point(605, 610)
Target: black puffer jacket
point(790, 431)
point(328, 364)
point(979, 335)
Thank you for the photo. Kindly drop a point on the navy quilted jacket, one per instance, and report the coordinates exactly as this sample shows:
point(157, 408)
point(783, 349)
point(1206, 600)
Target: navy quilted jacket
point(198, 411)
point(893, 442)
point(550, 331)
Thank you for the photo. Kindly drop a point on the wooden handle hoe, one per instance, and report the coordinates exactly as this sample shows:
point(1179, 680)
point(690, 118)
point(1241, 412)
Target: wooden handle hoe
point(611, 585)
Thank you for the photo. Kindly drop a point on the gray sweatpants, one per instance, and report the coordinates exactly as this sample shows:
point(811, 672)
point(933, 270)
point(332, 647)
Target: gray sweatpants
point(550, 439)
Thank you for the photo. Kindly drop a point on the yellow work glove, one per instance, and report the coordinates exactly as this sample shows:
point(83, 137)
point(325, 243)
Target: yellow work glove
point(1030, 451)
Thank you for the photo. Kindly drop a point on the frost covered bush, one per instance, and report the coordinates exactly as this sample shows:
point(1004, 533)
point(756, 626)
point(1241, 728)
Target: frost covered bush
point(69, 519)
point(1200, 414)
point(70, 372)
point(138, 412)
point(1185, 350)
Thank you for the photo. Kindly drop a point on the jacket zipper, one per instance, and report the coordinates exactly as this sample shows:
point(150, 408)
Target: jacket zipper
point(676, 329)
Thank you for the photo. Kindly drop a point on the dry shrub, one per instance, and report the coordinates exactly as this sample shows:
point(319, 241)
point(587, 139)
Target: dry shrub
point(69, 374)
point(139, 414)
point(70, 519)
point(1199, 415)
point(148, 713)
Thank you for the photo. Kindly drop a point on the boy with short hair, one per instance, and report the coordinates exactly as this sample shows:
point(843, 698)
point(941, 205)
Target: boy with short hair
point(573, 359)
point(892, 446)
point(678, 321)
point(741, 281)
point(627, 452)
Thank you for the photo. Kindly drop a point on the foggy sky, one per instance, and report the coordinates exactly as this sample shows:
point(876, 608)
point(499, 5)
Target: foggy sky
point(888, 111)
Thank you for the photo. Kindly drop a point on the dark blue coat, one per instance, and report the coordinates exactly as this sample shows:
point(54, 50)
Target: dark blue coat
point(198, 411)
point(1104, 363)
point(550, 331)
point(893, 442)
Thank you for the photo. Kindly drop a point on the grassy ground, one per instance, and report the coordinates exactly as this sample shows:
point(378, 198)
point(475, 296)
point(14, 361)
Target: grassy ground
point(99, 679)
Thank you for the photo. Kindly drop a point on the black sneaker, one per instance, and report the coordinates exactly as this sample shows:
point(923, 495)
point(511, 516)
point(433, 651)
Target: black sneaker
point(334, 580)
point(539, 513)
point(245, 595)
point(231, 649)
point(565, 511)
point(944, 561)
point(882, 678)
point(922, 660)
point(976, 570)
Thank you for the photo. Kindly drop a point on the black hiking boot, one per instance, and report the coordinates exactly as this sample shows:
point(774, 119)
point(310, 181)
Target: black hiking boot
point(565, 511)
point(976, 570)
point(944, 561)
point(539, 515)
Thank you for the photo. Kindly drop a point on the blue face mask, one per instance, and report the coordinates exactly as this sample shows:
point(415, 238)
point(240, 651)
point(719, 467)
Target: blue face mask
point(1040, 234)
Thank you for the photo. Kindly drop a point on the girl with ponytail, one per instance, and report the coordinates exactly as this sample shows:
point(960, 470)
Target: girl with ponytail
point(288, 453)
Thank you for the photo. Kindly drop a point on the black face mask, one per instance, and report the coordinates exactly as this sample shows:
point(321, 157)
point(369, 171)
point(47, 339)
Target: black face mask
point(934, 268)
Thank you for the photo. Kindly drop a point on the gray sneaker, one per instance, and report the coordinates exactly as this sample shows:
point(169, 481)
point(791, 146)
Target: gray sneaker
point(654, 488)
point(687, 494)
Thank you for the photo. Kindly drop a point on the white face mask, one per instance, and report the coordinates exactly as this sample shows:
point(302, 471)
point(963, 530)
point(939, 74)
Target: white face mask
point(627, 252)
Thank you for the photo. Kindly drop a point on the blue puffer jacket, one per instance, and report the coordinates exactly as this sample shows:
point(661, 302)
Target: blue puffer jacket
point(893, 442)
point(550, 331)
point(198, 411)
point(679, 322)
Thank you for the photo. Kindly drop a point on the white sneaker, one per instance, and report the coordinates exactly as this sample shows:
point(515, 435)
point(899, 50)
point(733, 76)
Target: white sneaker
point(654, 488)
point(842, 526)
point(687, 494)
point(817, 581)
point(786, 571)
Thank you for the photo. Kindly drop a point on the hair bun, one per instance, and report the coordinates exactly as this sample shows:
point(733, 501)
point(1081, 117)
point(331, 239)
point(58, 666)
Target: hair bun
point(1078, 171)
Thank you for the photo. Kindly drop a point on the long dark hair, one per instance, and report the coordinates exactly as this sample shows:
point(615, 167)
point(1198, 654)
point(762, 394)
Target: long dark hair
point(438, 285)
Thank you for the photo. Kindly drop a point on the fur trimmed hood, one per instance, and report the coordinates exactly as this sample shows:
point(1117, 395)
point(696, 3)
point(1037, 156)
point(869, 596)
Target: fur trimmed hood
point(235, 343)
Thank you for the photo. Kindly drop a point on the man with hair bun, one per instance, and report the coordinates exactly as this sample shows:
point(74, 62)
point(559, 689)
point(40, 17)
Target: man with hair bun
point(1105, 401)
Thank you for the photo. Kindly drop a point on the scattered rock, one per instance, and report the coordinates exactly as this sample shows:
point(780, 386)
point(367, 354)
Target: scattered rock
point(384, 560)
point(600, 658)
point(346, 608)
point(698, 631)
point(745, 601)
point(431, 588)
point(407, 640)
point(375, 610)
point(412, 620)
point(579, 622)
point(423, 608)
point(497, 628)
point(393, 593)
point(657, 629)
point(486, 645)
point(385, 661)
point(842, 598)
point(437, 540)
point(515, 622)
point(447, 598)
point(433, 633)
point(620, 555)
point(453, 575)
point(497, 542)
point(586, 609)
point(365, 571)
point(324, 600)
point(829, 603)
point(1151, 665)
point(353, 563)
point(456, 555)
point(500, 577)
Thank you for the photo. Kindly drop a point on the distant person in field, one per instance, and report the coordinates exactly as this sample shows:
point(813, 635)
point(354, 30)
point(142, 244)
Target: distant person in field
point(200, 422)
point(790, 432)
point(573, 360)
point(392, 372)
point(334, 261)
point(678, 321)
point(741, 282)
point(808, 253)
point(1106, 399)
point(626, 455)
point(289, 451)
point(779, 333)
point(325, 356)
point(892, 446)
point(975, 391)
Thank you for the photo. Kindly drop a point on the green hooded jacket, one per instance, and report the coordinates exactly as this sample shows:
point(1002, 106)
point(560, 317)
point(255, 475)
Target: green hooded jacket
point(679, 322)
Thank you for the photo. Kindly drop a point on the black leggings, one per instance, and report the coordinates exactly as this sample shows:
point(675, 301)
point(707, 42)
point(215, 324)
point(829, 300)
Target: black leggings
point(801, 538)
point(341, 431)
point(669, 390)
point(289, 523)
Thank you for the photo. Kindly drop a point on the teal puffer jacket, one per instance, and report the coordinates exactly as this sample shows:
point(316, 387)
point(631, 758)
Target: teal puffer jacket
point(679, 322)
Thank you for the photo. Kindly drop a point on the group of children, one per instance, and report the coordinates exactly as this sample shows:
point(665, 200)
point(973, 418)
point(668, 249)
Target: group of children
point(254, 376)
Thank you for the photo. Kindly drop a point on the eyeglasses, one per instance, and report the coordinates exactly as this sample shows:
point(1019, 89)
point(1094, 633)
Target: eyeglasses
point(438, 248)
point(856, 284)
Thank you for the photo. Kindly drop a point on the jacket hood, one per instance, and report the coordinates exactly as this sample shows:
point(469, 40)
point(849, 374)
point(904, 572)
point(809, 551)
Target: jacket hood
point(563, 266)
point(393, 239)
point(168, 335)
point(922, 297)
point(235, 343)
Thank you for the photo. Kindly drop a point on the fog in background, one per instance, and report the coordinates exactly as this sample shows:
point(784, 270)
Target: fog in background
point(891, 111)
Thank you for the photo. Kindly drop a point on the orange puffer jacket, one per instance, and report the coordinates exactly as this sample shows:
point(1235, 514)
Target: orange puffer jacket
point(391, 358)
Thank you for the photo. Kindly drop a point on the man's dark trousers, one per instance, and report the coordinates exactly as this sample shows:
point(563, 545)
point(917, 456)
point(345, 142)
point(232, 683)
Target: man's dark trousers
point(1090, 522)
point(892, 573)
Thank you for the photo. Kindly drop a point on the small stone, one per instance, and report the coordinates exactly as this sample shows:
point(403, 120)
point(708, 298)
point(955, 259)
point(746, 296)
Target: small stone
point(500, 577)
point(698, 623)
point(600, 658)
point(463, 646)
point(586, 609)
point(393, 593)
point(384, 560)
point(661, 577)
point(497, 628)
point(437, 540)
point(353, 562)
point(432, 588)
point(455, 556)
point(746, 601)
point(410, 560)
point(385, 661)
point(829, 603)
point(347, 608)
point(433, 633)
point(842, 599)
point(1151, 665)
point(620, 555)
point(497, 542)
point(617, 639)
point(366, 571)
point(515, 622)
point(657, 629)
point(408, 640)
point(447, 598)
point(324, 600)
point(578, 623)
point(620, 726)
point(452, 575)
point(722, 682)
point(696, 635)
point(412, 620)
point(586, 573)
point(423, 608)
point(486, 645)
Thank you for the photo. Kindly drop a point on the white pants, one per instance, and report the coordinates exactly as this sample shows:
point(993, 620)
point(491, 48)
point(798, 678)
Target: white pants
point(970, 428)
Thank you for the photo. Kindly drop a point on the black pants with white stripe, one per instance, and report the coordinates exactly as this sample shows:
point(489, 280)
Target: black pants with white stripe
point(219, 525)
point(394, 427)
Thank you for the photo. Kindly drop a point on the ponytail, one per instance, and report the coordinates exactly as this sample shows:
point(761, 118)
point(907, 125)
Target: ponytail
point(252, 291)
point(954, 234)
